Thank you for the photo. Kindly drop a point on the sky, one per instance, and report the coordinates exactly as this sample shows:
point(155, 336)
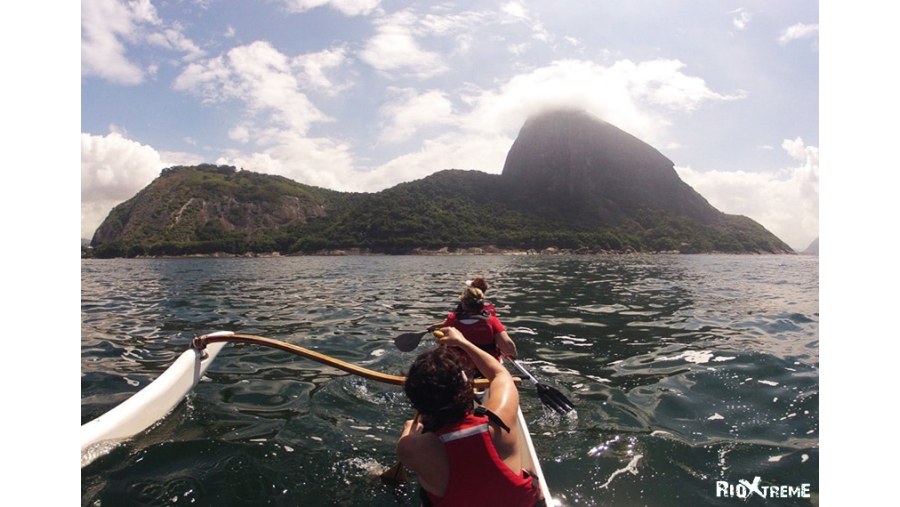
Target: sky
point(360, 95)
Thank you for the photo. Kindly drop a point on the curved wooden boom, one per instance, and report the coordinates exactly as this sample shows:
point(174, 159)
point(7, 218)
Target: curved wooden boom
point(309, 354)
point(315, 356)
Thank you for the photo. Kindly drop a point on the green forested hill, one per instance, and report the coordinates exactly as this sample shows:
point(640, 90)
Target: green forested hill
point(570, 182)
point(212, 209)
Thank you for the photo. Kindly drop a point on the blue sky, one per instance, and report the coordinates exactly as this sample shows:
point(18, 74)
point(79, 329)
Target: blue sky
point(360, 95)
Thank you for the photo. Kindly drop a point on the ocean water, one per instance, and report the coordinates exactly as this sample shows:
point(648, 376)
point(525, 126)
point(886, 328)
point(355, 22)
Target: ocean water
point(695, 377)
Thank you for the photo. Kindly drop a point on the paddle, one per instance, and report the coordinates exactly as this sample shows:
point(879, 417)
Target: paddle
point(548, 395)
point(397, 473)
point(407, 342)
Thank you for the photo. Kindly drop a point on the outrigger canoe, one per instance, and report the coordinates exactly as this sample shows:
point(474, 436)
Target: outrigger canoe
point(155, 401)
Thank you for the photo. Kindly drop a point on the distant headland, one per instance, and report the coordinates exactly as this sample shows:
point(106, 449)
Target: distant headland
point(572, 183)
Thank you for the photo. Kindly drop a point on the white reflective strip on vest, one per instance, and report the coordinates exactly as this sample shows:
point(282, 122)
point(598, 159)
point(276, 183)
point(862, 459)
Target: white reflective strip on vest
point(467, 432)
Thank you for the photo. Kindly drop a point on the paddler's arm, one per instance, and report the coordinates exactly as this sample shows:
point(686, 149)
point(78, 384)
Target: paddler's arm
point(419, 451)
point(505, 345)
point(407, 444)
point(504, 399)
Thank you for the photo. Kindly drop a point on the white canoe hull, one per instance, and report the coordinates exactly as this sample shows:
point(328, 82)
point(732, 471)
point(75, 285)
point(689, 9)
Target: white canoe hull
point(530, 458)
point(148, 405)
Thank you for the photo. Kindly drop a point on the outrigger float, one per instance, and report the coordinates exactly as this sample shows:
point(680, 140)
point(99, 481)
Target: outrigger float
point(152, 403)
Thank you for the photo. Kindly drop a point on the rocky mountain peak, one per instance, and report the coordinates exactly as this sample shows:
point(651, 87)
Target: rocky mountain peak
point(588, 165)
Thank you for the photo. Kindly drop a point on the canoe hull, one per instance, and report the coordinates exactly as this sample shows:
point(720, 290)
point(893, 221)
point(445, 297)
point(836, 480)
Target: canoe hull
point(147, 406)
point(529, 457)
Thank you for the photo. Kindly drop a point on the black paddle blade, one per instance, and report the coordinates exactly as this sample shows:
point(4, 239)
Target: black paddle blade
point(408, 341)
point(554, 399)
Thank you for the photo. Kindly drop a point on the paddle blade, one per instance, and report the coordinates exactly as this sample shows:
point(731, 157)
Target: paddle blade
point(554, 399)
point(408, 341)
point(395, 475)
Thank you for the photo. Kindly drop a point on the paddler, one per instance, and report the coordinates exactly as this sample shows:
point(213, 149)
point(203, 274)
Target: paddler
point(464, 457)
point(479, 325)
point(480, 283)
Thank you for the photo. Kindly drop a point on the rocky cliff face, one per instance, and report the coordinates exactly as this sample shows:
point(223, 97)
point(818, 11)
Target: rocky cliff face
point(586, 165)
point(200, 203)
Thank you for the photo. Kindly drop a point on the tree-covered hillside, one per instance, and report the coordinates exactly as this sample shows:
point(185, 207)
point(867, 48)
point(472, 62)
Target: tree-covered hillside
point(571, 181)
point(214, 209)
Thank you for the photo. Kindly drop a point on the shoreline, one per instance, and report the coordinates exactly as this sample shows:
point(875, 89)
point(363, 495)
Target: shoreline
point(446, 251)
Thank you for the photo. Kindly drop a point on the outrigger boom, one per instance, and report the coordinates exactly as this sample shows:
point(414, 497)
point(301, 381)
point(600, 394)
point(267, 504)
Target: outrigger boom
point(161, 396)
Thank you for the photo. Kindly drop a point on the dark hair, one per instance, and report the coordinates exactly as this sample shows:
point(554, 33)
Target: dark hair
point(438, 389)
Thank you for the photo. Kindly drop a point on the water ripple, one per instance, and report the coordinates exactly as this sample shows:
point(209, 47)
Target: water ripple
point(684, 370)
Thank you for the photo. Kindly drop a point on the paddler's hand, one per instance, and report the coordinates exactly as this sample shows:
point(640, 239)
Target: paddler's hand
point(505, 345)
point(451, 336)
point(411, 426)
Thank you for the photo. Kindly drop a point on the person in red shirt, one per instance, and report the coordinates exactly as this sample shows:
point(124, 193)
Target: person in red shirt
point(481, 283)
point(461, 456)
point(480, 326)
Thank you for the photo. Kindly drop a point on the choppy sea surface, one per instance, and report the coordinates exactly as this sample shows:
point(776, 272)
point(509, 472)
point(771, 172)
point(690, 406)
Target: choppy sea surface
point(695, 377)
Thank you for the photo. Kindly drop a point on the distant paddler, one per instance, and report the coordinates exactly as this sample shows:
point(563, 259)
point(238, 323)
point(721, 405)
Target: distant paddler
point(463, 456)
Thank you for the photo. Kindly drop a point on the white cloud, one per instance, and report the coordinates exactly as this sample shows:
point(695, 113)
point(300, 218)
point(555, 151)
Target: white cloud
point(442, 23)
point(109, 26)
point(320, 162)
point(260, 77)
point(514, 9)
point(173, 39)
point(277, 114)
point(633, 96)
point(314, 66)
point(103, 24)
point(574, 42)
point(174, 158)
point(239, 133)
point(626, 94)
point(394, 47)
point(113, 169)
point(785, 202)
point(741, 18)
point(413, 111)
point(485, 152)
point(264, 80)
point(347, 7)
point(520, 14)
point(398, 47)
point(663, 83)
point(798, 31)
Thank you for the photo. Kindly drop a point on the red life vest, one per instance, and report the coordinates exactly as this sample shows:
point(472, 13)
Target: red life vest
point(478, 329)
point(477, 474)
